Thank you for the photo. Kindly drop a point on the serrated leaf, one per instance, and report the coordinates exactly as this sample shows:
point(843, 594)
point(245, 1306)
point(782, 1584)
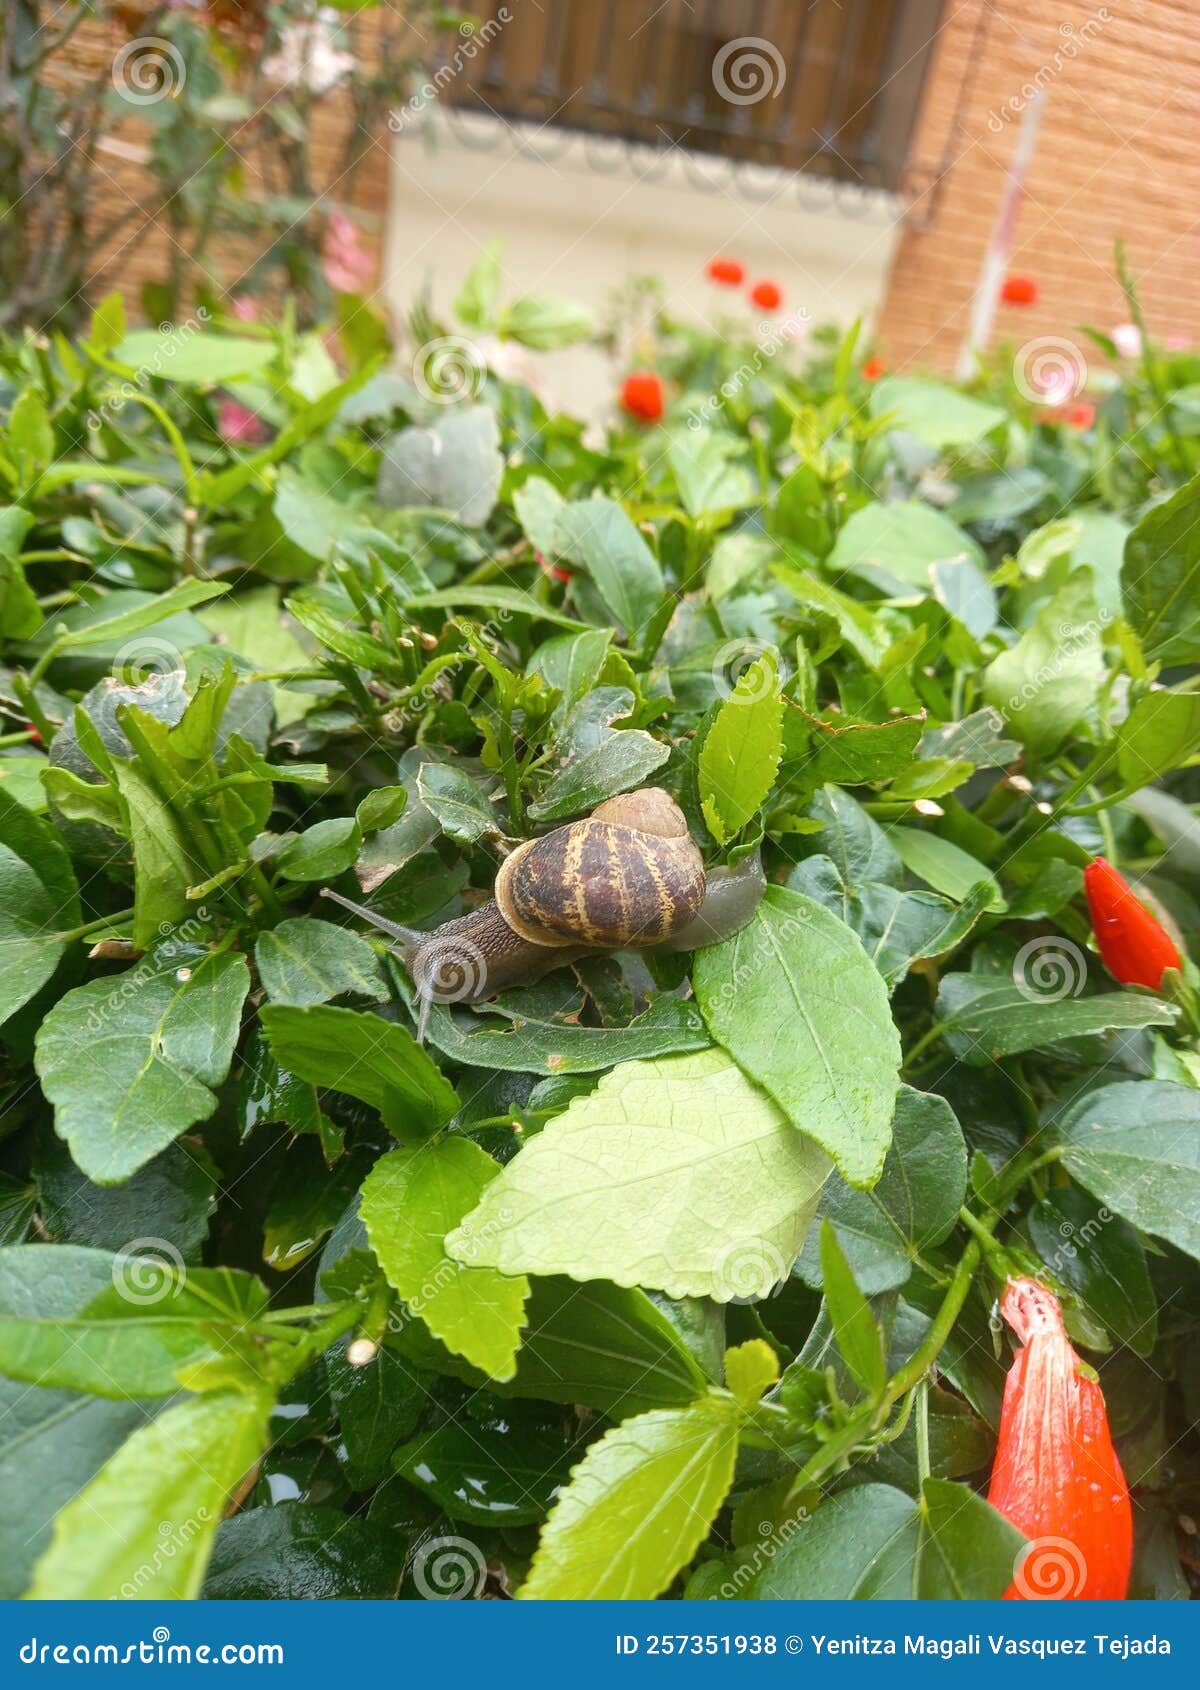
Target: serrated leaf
point(678, 1175)
point(798, 1002)
point(638, 1506)
point(129, 1064)
point(411, 1200)
point(741, 751)
point(303, 962)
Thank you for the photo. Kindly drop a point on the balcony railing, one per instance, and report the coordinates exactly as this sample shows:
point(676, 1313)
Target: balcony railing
point(828, 87)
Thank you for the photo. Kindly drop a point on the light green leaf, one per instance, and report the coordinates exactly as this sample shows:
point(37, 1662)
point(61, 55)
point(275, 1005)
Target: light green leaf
point(163, 867)
point(369, 1058)
point(937, 414)
point(129, 1062)
point(109, 630)
point(894, 546)
point(709, 478)
point(1160, 578)
point(1047, 682)
point(741, 751)
point(322, 851)
point(205, 360)
point(854, 1326)
point(678, 1175)
point(798, 1002)
point(303, 962)
point(1136, 1146)
point(168, 1482)
point(1160, 733)
point(944, 866)
point(599, 536)
point(411, 1199)
point(638, 1506)
point(545, 322)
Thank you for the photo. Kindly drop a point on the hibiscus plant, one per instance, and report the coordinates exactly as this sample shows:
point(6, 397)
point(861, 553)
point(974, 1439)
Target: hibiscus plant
point(669, 1271)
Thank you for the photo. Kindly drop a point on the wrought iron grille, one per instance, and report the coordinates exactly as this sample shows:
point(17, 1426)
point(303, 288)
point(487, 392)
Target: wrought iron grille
point(829, 87)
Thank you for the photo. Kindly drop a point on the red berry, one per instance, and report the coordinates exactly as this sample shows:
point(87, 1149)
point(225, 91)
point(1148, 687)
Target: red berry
point(1019, 290)
point(726, 272)
point(642, 396)
point(768, 296)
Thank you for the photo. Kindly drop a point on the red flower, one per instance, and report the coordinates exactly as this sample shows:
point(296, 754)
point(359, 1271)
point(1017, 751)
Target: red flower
point(726, 272)
point(873, 369)
point(1019, 290)
point(1082, 415)
point(1134, 945)
point(642, 396)
point(768, 296)
point(1056, 1475)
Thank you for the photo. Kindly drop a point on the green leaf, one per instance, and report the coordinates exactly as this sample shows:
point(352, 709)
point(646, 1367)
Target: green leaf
point(795, 998)
point(411, 1200)
point(750, 1369)
point(322, 851)
point(171, 1200)
point(896, 545)
point(377, 1406)
point(545, 322)
point(595, 760)
point(463, 811)
point(133, 1339)
point(937, 414)
point(168, 1482)
point(129, 1062)
point(1136, 1147)
point(1048, 681)
point(638, 1506)
point(968, 1551)
point(38, 900)
point(571, 663)
point(163, 866)
point(479, 295)
point(945, 866)
point(741, 751)
point(454, 466)
point(858, 1337)
point(1160, 733)
point(204, 360)
point(985, 1018)
point(493, 598)
point(495, 1472)
point(20, 613)
point(709, 482)
point(598, 536)
point(52, 1443)
point(1160, 578)
point(291, 1552)
point(552, 1046)
point(363, 1055)
point(860, 752)
point(676, 1174)
point(303, 962)
point(1101, 1258)
point(110, 630)
point(913, 1206)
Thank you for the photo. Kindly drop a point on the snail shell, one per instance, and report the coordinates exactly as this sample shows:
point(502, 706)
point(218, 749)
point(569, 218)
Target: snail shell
point(626, 877)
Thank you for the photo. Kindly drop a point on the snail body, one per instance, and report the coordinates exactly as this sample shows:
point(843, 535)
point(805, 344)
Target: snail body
point(627, 877)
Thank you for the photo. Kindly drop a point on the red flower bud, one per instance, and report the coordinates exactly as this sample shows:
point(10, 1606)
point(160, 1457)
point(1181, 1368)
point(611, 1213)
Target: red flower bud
point(726, 272)
point(642, 396)
point(1056, 1475)
point(1134, 945)
point(873, 369)
point(1019, 290)
point(551, 571)
point(768, 296)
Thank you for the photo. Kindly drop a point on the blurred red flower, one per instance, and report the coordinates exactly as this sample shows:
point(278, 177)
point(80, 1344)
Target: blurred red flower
point(873, 369)
point(642, 396)
point(768, 296)
point(1019, 290)
point(726, 272)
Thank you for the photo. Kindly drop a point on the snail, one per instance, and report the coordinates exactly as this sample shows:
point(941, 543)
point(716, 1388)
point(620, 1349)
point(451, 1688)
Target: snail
point(627, 877)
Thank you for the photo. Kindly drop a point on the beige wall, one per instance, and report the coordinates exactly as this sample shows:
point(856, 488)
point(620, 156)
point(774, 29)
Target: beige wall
point(1118, 154)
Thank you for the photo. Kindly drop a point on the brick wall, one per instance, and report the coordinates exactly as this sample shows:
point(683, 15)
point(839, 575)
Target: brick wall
point(1118, 154)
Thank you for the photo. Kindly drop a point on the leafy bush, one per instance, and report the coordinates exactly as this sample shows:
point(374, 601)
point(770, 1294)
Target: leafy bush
point(667, 1271)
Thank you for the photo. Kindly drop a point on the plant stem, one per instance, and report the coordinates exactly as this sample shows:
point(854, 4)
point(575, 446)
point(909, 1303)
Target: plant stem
point(95, 926)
